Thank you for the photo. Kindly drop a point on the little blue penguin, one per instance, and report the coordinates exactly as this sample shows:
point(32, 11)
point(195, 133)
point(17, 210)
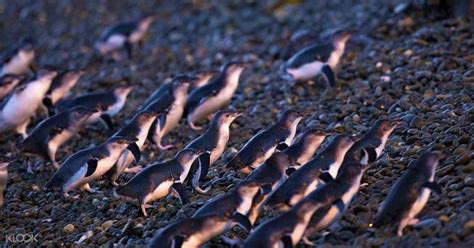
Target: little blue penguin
point(317, 59)
point(19, 60)
point(23, 103)
point(215, 95)
point(90, 164)
point(46, 138)
point(124, 35)
point(409, 195)
point(60, 87)
point(156, 180)
point(261, 146)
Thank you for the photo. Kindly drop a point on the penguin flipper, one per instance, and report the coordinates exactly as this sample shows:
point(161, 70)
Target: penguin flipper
point(91, 166)
point(178, 242)
point(282, 146)
point(133, 147)
point(372, 153)
point(329, 75)
point(287, 242)
point(266, 189)
point(433, 186)
point(183, 196)
point(128, 48)
point(242, 221)
point(204, 161)
point(49, 105)
point(340, 205)
point(162, 120)
point(107, 120)
point(326, 177)
point(290, 171)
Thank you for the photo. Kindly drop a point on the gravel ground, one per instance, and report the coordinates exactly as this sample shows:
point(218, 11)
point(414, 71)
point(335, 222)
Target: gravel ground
point(415, 65)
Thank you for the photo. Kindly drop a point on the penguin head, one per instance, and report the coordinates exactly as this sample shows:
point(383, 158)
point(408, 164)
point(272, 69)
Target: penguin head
point(340, 37)
point(82, 113)
point(181, 84)
point(47, 72)
point(292, 116)
point(121, 142)
point(27, 44)
point(226, 117)
point(248, 188)
point(232, 68)
point(11, 79)
point(279, 160)
point(188, 155)
point(384, 127)
point(314, 135)
point(145, 116)
point(122, 90)
point(427, 163)
point(202, 78)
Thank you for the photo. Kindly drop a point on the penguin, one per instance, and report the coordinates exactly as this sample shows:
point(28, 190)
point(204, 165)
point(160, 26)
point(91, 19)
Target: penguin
point(4, 162)
point(237, 201)
point(214, 140)
point(287, 229)
point(138, 127)
point(109, 103)
point(192, 232)
point(20, 60)
point(89, 164)
point(23, 103)
point(215, 95)
point(304, 147)
point(8, 82)
point(261, 146)
point(309, 177)
point(124, 35)
point(171, 107)
point(198, 80)
point(376, 137)
point(60, 87)
point(343, 187)
point(317, 59)
point(156, 181)
point(46, 138)
point(409, 195)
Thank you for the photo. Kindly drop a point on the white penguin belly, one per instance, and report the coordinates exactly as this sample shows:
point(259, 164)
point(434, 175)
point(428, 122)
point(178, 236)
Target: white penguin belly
point(21, 106)
point(262, 159)
point(220, 148)
point(245, 206)
point(114, 42)
point(300, 228)
point(161, 191)
point(212, 104)
point(420, 202)
point(115, 109)
point(59, 139)
point(306, 71)
point(94, 118)
point(205, 234)
point(172, 118)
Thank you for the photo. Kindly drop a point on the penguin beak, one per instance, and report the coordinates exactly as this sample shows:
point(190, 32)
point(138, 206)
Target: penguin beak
point(305, 113)
point(238, 114)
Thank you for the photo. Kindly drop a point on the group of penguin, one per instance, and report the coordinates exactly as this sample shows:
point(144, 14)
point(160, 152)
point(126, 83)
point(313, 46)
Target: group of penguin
point(311, 191)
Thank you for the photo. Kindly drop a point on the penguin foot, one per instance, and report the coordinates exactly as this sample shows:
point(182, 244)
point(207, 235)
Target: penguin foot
point(133, 170)
point(67, 196)
point(114, 183)
point(194, 127)
point(308, 242)
point(87, 187)
point(143, 209)
point(202, 191)
point(164, 147)
point(413, 222)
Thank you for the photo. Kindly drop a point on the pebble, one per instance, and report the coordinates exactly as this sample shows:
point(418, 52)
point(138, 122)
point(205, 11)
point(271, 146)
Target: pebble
point(69, 228)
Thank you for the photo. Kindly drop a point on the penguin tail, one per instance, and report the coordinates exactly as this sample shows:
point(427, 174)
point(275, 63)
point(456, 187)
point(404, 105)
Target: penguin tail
point(54, 182)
